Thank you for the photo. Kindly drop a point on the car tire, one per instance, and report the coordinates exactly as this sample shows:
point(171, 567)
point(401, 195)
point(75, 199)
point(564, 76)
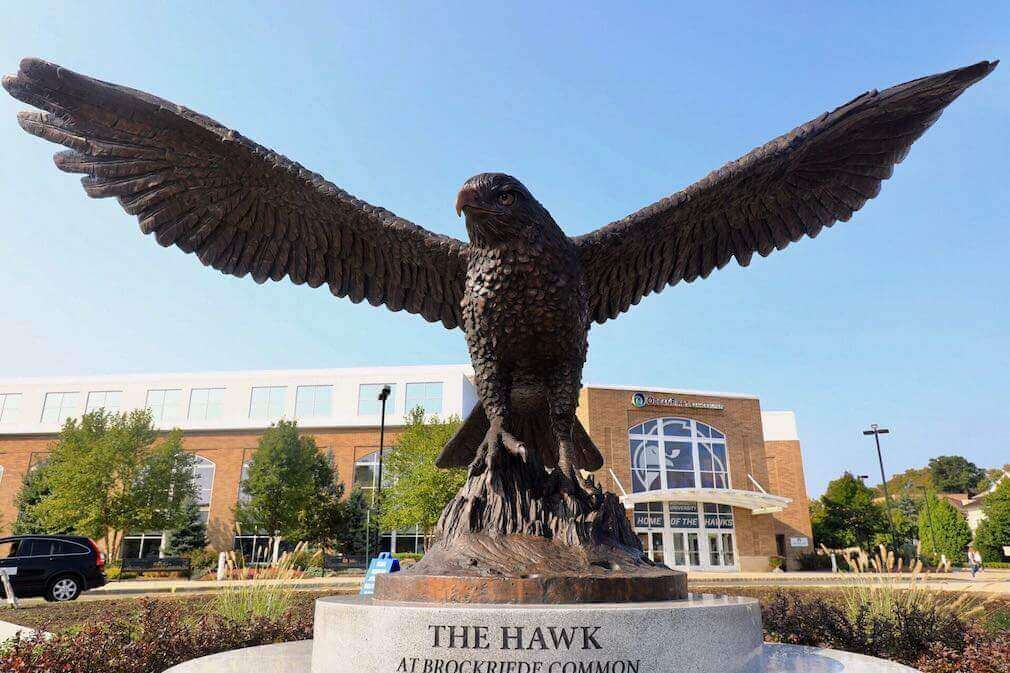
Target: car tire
point(63, 589)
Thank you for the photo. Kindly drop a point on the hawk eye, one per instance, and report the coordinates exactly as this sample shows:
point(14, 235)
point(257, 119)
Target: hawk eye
point(506, 198)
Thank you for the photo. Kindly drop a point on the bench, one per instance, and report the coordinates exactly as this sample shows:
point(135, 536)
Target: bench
point(167, 564)
point(341, 562)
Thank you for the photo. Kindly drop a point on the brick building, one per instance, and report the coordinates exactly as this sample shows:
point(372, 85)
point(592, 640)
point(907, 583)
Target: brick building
point(710, 481)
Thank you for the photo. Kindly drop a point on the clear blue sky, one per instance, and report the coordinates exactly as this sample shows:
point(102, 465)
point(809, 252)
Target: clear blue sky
point(898, 317)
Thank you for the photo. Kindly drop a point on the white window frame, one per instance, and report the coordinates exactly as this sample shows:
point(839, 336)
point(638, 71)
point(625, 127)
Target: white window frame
point(158, 416)
point(696, 438)
point(310, 395)
point(408, 407)
point(10, 407)
point(92, 404)
point(202, 462)
point(162, 537)
point(374, 398)
point(271, 393)
point(206, 404)
point(669, 533)
point(63, 411)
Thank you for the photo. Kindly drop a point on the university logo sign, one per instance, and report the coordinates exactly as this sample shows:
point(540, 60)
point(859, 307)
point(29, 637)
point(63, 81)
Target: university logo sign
point(640, 400)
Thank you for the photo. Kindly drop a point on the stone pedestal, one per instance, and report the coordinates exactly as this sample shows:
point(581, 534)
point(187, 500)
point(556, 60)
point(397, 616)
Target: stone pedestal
point(700, 634)
point(703, 634)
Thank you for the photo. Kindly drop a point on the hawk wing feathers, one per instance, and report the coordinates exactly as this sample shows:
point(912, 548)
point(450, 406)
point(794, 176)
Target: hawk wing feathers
point(240, 207)
point(793, 186)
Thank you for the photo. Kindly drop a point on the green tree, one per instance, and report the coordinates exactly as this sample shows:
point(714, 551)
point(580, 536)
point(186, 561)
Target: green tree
point(191, 535)
point(848, 515)
point(955, 474)
point(359, 525)
point(942, 530)
point(905, 510)
point(908, 483)
point(325, 521)
point(994, 531)
point(107, 474)
point(418, 491)
point(289, 481)
point(33, 491)
point(992, 475)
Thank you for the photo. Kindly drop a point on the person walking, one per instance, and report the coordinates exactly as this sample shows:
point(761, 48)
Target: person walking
point(974, 561)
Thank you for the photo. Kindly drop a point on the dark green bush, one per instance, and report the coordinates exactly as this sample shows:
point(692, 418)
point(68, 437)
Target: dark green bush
point(814, 561)
point(161, 635)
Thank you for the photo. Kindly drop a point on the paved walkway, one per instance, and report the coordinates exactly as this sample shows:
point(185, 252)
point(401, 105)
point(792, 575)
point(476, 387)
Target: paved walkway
point(339, 584)
point(989, 581)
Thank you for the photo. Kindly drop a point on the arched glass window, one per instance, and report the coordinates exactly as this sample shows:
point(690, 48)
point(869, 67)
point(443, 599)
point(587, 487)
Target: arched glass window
point(366, 471)
point(677, 453)
point(243, 494)
point(203, 475)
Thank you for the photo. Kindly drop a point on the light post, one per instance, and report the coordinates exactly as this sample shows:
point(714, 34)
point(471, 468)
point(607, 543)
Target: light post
point(877, 431)
point(377, 491)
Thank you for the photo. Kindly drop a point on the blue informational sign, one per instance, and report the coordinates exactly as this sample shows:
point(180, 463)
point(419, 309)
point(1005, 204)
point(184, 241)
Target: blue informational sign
point(385, 563)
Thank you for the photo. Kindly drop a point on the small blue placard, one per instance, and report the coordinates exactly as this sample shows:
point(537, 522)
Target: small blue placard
point(385, 563)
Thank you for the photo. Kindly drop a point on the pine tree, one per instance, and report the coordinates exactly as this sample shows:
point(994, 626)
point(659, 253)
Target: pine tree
point(192, 536)
point(34, 489)
point(942, 530)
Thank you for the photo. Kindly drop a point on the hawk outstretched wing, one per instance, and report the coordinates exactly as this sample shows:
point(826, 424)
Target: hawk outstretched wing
point(793, 186)
point(241, 207)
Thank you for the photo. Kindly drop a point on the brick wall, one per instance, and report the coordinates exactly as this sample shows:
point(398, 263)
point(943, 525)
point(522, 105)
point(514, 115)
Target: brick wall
point(785, 472)
point(608, 413)
point(227, 450)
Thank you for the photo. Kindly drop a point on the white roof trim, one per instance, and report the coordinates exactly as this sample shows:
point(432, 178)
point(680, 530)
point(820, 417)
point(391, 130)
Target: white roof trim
point(465, 369)
point(674, 391)
point(758, 503)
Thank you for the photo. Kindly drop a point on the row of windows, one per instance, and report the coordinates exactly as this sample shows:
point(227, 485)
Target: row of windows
point(677, 453)
point(205, 404)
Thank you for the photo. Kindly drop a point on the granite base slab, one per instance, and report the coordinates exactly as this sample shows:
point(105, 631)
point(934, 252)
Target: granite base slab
point(775, 658)
point(700, 634)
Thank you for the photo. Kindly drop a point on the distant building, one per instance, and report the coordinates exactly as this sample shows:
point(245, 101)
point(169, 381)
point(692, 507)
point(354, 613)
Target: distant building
point(971, 506)
point(710, 481)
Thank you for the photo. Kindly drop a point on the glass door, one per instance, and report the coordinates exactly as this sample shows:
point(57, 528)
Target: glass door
point(652, 544)
point(720, 550)
point(684, 550)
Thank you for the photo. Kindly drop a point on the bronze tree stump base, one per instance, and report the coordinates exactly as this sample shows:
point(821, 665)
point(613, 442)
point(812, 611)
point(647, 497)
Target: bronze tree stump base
point(526, 569)
point(532, 589)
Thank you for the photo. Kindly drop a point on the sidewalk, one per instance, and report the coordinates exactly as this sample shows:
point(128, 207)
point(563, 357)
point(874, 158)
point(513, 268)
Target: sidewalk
point(340, 584)
point(989, 581)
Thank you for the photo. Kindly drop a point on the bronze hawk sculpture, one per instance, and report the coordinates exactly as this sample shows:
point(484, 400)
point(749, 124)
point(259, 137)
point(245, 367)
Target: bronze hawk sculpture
point(524, 293)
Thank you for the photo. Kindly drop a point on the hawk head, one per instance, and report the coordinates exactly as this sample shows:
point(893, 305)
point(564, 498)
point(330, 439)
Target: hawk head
point(499, 209)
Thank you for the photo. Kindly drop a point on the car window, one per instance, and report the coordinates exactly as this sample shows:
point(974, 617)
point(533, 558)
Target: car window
point(65, 547)
point(34, 548)
point(9, 548)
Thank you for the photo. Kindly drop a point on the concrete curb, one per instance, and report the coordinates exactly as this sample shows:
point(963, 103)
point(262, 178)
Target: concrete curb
point(138, 588)
point(9, 630)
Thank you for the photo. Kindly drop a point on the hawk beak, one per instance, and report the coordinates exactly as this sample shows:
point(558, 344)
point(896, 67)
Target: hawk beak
point(467, 197)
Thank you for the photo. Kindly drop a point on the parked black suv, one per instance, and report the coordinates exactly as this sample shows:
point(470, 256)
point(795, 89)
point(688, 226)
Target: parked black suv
point(58, 567)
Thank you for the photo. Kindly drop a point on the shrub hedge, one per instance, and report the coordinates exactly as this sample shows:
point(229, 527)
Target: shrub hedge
point(163, 634)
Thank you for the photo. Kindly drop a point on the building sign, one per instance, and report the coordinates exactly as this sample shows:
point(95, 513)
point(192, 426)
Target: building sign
point(716, 521)
point(646, 400)
point(799, 542)
point(648, 520)
point(684, 515)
